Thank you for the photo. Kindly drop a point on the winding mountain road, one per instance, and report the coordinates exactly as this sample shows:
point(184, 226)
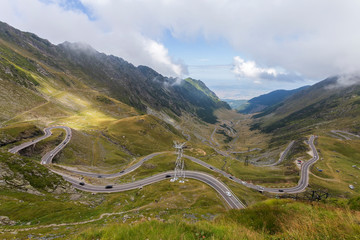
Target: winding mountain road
point(282, 155)
point(220, 187)
point(343, 134)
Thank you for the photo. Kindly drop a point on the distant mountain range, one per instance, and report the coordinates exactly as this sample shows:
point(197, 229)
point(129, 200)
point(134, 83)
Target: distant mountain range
point(236, 104)
point(333, 103)
point(258, 104)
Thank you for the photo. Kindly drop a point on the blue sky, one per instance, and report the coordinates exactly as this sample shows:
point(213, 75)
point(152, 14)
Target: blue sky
point(240, 49)
point(212, 61)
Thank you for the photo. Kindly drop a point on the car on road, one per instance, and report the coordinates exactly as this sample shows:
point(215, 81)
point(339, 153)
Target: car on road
point(122, 171)
point(228, 193)
point(280, 190)
point(231, 177)
point(211, 168)
point(81, 183)
point(167, 176)
point(99, 176)
point(108, 186)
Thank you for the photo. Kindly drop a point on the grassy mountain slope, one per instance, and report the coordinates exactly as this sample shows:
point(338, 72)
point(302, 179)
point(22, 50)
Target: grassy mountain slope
point(275, 219)
point(97, 96)
point(327, 102)
point(76, 64)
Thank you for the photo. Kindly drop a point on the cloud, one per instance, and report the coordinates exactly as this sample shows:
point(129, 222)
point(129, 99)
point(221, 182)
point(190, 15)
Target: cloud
point(346, 80)
point(313, 38)
point(250, 70)
point(160, 55)
point(59, 21)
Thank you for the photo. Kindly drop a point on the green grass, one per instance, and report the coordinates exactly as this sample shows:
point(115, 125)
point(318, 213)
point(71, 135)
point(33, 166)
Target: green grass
point(26, 169)
point(336, 160)
point(274, 219)
point(143, 135)
point(90, 149)
point(17, 132)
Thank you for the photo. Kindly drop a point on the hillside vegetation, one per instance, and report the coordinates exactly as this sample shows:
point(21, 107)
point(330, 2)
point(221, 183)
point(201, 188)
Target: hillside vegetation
point(328, 104)
point(120, 113)
point(35, 64)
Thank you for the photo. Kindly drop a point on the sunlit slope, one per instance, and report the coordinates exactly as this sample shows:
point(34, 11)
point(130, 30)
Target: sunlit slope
point(31, 91)
point(142, 135)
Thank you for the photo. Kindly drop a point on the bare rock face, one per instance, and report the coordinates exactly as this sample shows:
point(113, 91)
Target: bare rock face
point(62, 189)
point(4, 171)
point(75, 197)
point(5, 220)
point(16, 180)
point(9, 179)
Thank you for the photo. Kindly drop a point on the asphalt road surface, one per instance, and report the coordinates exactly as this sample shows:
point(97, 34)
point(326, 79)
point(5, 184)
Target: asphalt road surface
point(282, 156)
point(343, 134)
point(220, 187)
point(47, 158)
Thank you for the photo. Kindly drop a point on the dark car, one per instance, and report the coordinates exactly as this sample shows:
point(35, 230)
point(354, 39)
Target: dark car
point(99, 176)
point(122, 171)
point(82, 183)
point(108, 186)
point(211, 168)
point(231, 177)
point(167, 176)
point(280, 190)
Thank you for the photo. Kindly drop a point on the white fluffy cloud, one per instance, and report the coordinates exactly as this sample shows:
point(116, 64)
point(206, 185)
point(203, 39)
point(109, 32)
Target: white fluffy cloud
point(250, 70)
point(313, 38)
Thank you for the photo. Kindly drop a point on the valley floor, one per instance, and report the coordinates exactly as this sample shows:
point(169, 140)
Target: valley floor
point(185, 207)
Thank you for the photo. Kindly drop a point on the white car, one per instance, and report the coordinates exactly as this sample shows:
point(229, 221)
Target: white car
point(228, 193)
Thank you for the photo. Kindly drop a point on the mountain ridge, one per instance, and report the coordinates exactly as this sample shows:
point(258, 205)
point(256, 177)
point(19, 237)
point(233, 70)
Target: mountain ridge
point(140, 87)
point(326, 103)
